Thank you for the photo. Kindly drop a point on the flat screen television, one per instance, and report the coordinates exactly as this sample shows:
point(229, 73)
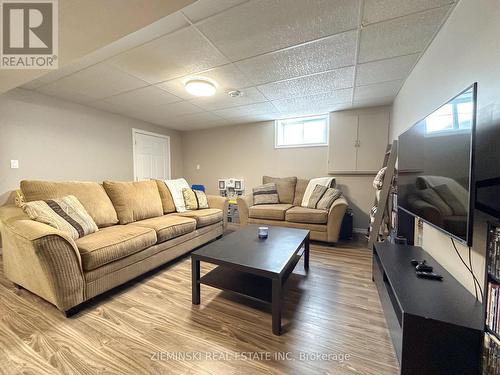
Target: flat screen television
point(435, 167)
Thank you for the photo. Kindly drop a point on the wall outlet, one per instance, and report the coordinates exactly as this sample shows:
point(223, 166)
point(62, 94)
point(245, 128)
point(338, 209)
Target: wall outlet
point(197, 167)
point(14, 164)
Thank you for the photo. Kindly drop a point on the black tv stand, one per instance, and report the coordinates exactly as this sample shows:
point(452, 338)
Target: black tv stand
point(436, 326)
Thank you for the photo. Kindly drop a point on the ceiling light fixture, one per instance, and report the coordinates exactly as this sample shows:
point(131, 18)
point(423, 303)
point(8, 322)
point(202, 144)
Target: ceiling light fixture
point(200, 87)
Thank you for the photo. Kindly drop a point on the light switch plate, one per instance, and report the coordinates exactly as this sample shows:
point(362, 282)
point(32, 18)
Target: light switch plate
point(14, 164)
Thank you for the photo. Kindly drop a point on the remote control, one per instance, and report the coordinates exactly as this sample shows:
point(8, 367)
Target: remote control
point(424, 268)
point(415, 262)
point(429, 275)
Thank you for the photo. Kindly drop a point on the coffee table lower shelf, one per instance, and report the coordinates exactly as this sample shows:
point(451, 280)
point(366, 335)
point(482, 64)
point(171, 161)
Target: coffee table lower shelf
point(252, 286)
point(258, 270)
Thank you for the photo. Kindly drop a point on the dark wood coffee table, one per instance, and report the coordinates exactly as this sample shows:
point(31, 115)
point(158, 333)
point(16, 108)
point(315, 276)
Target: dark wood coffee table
point(252, 267)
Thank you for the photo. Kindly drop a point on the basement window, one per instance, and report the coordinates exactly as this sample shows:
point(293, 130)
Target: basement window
point(301, 132)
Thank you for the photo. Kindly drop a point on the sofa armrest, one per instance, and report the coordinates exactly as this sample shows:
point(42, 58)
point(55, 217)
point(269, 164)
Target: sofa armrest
point(335, 217)
point(244, 204)
point(222, 203)
point(43, 260)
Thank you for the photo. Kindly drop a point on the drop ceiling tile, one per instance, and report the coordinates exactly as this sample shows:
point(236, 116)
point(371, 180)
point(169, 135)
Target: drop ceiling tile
point(261, 26)
point(314, 84)
point(205, 8)
point(95, 82)
point(378, 90)
point(54, 75)
point(374, 102)
point(161, 114)
point(314, 104)
point(202, 125)
point(221, 100)
point(226, 77)
point(65, 94)
point(385, 70)
point(108, 107)
point(254, 118)
point(142, 98)
point(246, 110)
point(174, 55)
point(163, 26)
point(379, 10)
point(335, 51)
point(401, 36)
point(37, 83)
point(195, 121)
point(177, 109)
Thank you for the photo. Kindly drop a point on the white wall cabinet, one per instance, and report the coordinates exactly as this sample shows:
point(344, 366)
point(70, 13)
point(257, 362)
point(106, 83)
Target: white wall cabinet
point(358, 140)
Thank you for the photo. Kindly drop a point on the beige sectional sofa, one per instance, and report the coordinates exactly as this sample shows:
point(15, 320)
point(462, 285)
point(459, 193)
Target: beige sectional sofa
point(324, 225)
point(138, 231)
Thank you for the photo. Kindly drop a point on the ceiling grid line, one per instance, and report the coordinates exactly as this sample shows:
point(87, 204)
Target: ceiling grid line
point(307, 58)
point(358, 46)
point(443, 21)
point(218, 50)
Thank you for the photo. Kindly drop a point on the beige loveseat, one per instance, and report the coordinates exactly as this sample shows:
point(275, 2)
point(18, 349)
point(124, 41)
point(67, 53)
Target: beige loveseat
point(324, 225)
point(138, 231)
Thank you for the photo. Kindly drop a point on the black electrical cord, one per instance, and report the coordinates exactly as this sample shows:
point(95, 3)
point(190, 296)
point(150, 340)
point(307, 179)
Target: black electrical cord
point(472, 271)
point(469, 269)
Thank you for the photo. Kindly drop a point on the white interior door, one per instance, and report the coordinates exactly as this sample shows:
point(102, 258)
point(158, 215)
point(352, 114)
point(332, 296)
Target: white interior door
point(151, 156)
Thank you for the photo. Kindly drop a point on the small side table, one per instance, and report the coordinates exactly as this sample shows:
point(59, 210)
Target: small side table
point(233, 214)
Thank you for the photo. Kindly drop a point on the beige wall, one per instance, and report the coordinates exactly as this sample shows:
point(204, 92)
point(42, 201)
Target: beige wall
point(247, 151)
point(58, 140)
point(464, 51)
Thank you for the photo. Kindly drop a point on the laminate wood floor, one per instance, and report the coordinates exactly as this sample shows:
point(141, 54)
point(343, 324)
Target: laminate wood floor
point(332, 317)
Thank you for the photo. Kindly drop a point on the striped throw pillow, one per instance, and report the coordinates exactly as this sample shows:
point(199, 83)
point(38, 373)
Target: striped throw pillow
point(190, 200)
point(330, 196)
point(194, 199)
point(202, 199)
point(66, 214)
point(265, 194)
point(323, 197)
point(316, 195)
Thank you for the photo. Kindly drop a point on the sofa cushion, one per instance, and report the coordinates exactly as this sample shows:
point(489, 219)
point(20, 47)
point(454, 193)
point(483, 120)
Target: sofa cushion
point(91, 195)
point(306, 215)
point(289, 224)
point(168, 227)
point(110, 244)
point(203, 217)
point(285, 187)
point(300, 189)
point(166, 197)
point(269, 211)
point(134, 201)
